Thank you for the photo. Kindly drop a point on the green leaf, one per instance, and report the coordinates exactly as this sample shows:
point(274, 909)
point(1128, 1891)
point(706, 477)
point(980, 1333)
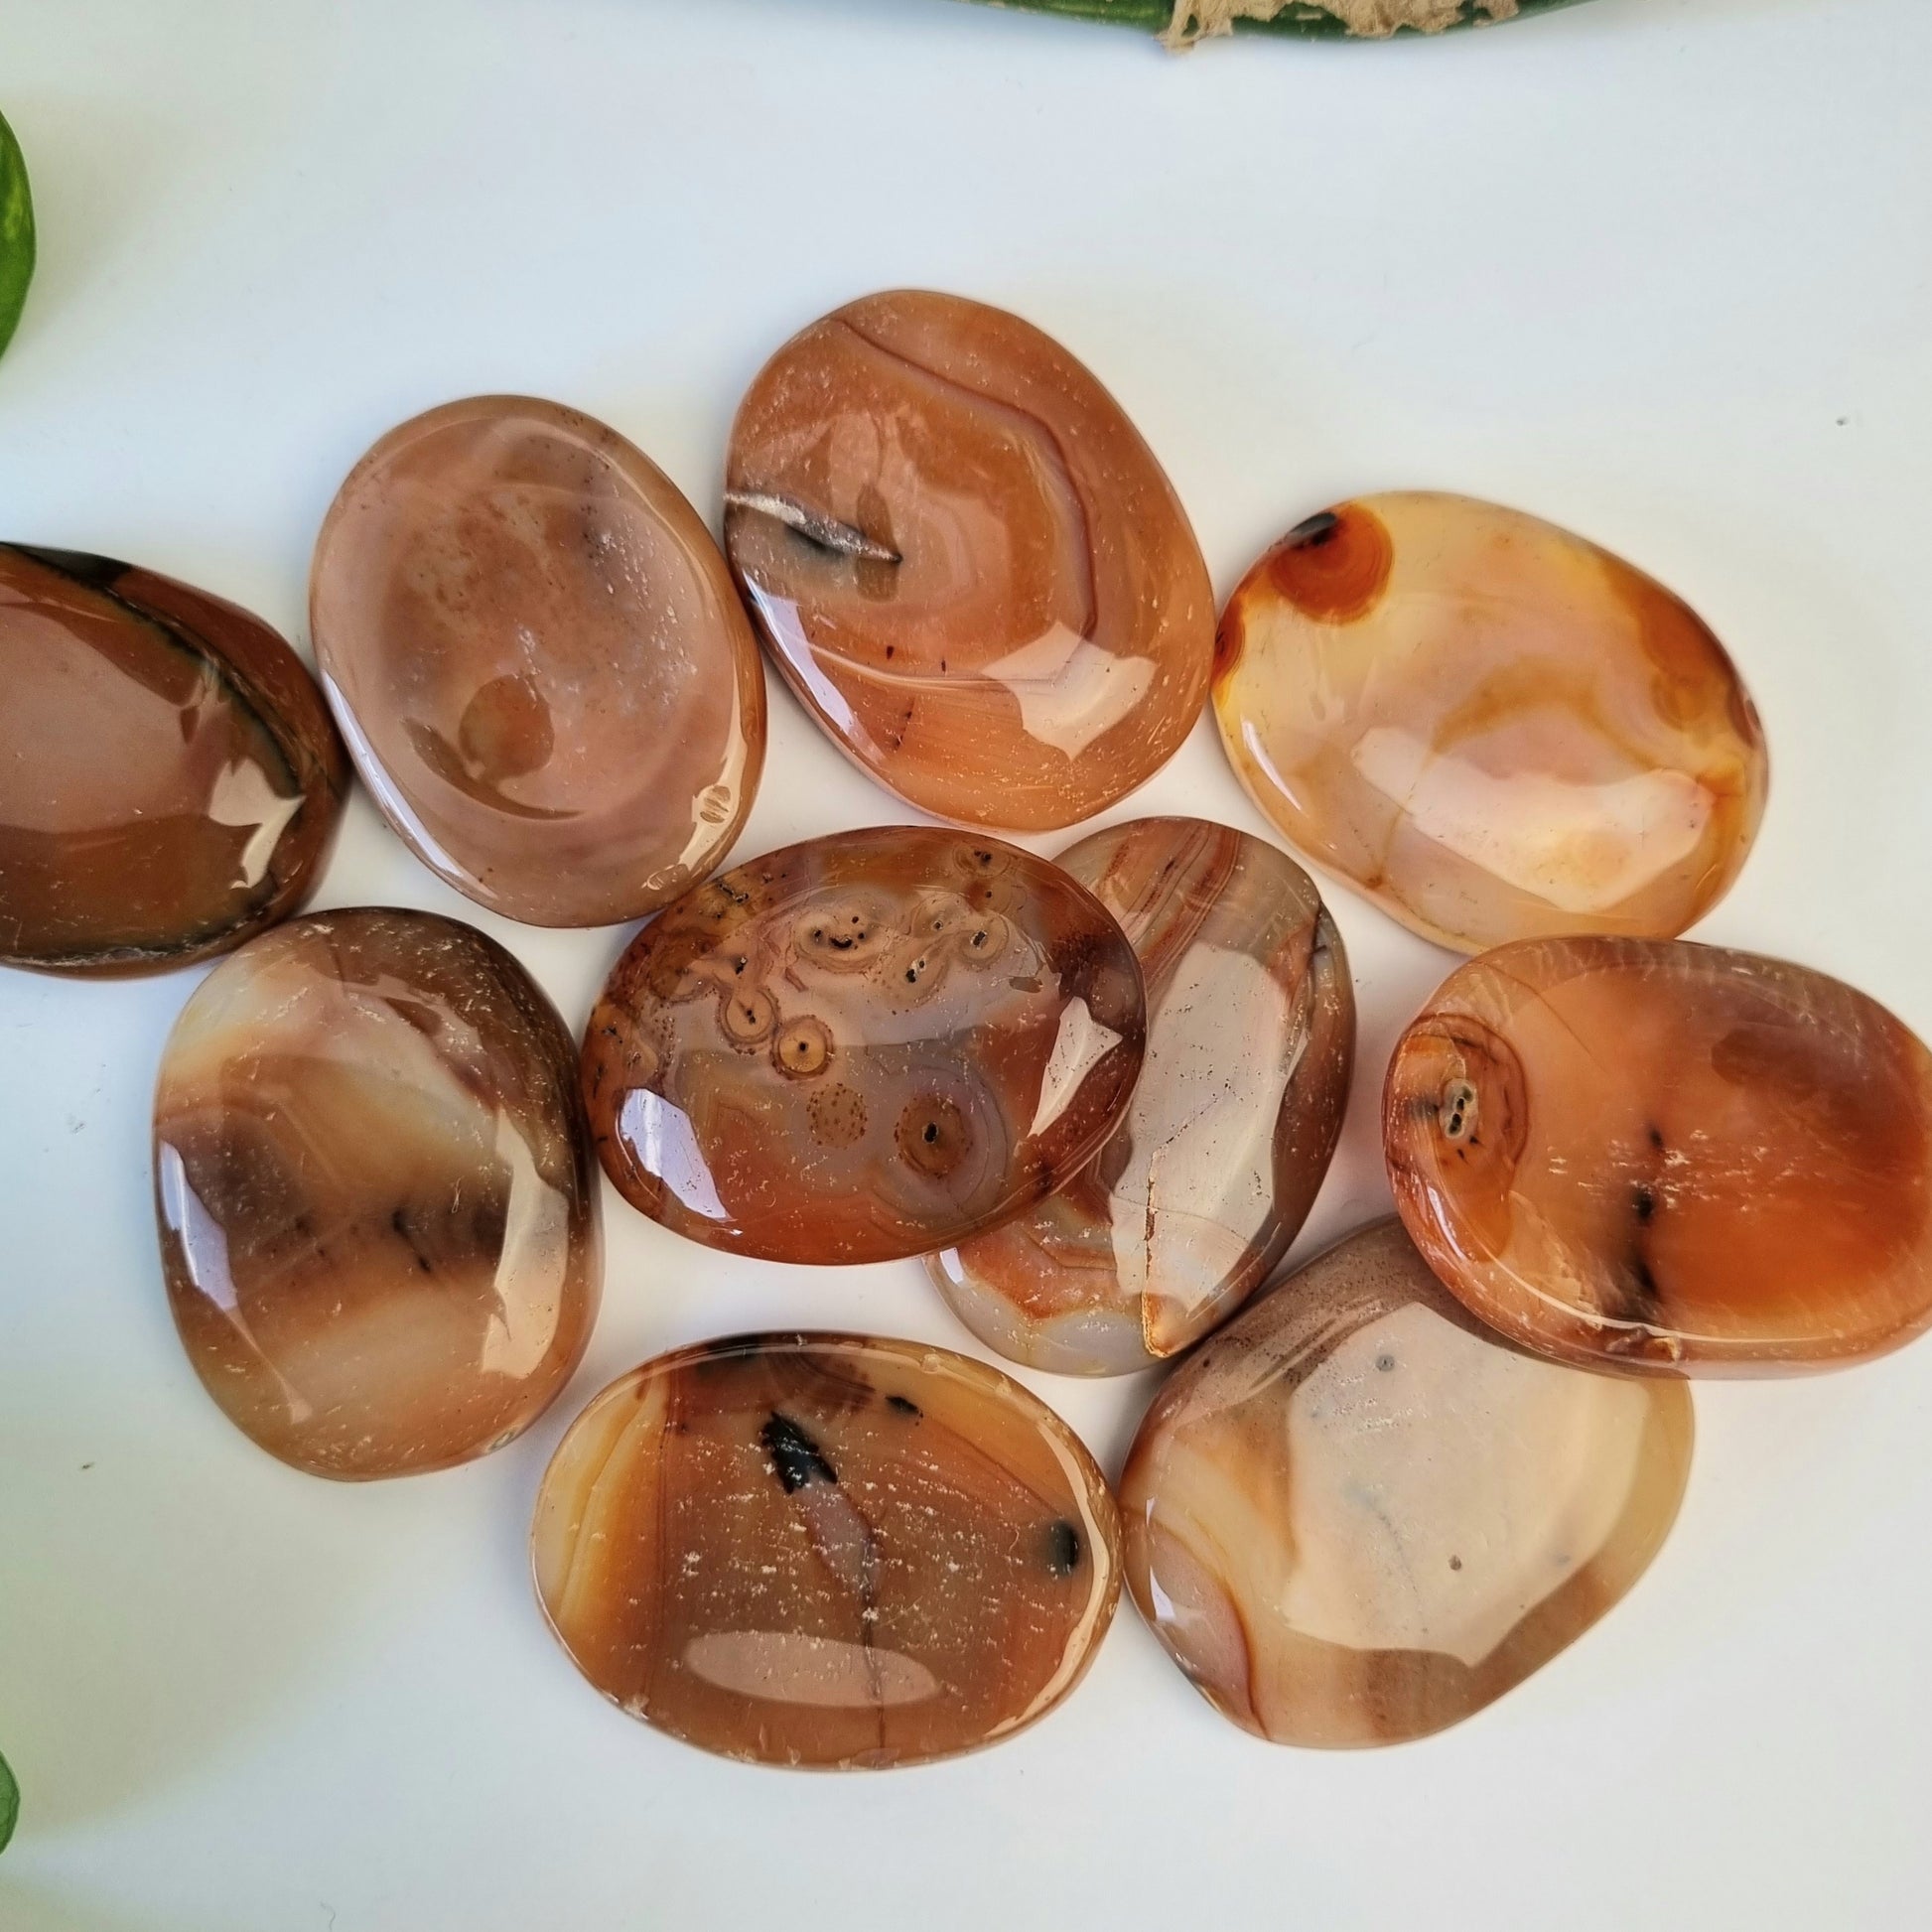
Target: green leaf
point(16, 271)
point(1308, 19)
point(9, 1790)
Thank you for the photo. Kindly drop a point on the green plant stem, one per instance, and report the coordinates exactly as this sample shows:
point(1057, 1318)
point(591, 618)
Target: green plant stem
point(16, 234)
point(1304, 19)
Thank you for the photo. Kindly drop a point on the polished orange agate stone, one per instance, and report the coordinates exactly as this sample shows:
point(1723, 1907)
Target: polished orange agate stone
point(864, 1047)
point(966, 562)
point(170, 779)
point(539, 662)
point(826, 1550)
point(1251, 1042)
point(377, 1204)
point(1354, 1517)
point(1495, 729)
point(1663, 1157)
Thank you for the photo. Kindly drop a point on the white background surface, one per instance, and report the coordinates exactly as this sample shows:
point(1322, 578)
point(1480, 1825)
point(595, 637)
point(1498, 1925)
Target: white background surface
point(1659, 269)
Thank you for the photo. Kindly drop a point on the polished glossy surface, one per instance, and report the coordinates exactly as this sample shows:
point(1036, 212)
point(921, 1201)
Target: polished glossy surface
point(377, 1204)
point(1251, 1040)
point(1667, 1157)
point(1494, 727)
point(539, 662)
point(862, 1048)
point(966, 562)
point(168, 778)
point(1354, 1517)
point(826, 1550)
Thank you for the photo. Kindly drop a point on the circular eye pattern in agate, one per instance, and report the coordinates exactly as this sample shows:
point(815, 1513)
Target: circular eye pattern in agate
point(863, 1047)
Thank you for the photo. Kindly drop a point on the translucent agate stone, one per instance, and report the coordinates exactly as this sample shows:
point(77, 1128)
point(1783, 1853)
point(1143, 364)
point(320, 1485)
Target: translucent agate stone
point(826, 1550)
point(1251, 1040)
point(966, 562)
point(1494, 727)
point(170, 781)
point(864, 1047)
point(1354, 1517)
point(1658, 1155)
point(537, 657)
point(378, 1205)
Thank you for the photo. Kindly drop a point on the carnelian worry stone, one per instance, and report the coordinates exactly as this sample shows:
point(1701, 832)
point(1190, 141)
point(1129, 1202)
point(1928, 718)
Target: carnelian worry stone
point(537, 657)
point(826, 1550)
point(1494, 727)
point(966, 562)
point(1354, 1517)
point(1251, 1040)
point(863, 1047)
point(170, 781)
point(1652, 1155)
point(377, 1204)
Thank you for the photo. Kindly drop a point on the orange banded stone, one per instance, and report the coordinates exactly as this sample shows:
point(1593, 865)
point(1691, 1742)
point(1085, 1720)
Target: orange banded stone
point(1495, 729)
point(1662, 1157)
point(826, 1550)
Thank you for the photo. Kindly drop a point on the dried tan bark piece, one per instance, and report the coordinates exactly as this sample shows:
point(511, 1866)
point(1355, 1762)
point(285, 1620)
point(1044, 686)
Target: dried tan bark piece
point(1196, 20)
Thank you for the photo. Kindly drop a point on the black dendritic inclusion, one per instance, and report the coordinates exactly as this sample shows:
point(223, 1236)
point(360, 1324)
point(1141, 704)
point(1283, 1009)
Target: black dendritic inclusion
point(795, 1459)
point(1642, 1297)
point(1063, 1548)
point(1318, 529)
point(1644, 1292)
point(400, 1223)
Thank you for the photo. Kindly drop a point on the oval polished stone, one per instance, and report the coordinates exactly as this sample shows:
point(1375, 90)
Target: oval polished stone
point(535, 651)
point(1355, 1518)
point(378, 1211)
point(966, 562)
point(863, 1047)
point(168, 778)
point(826, 1550)
point(1661, 1156)
point(1494, 727)
point(1251, 1040)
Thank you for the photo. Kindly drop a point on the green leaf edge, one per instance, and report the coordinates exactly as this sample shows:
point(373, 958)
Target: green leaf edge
point(9, 1795)
point(1309, 22)
point(16, 254)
